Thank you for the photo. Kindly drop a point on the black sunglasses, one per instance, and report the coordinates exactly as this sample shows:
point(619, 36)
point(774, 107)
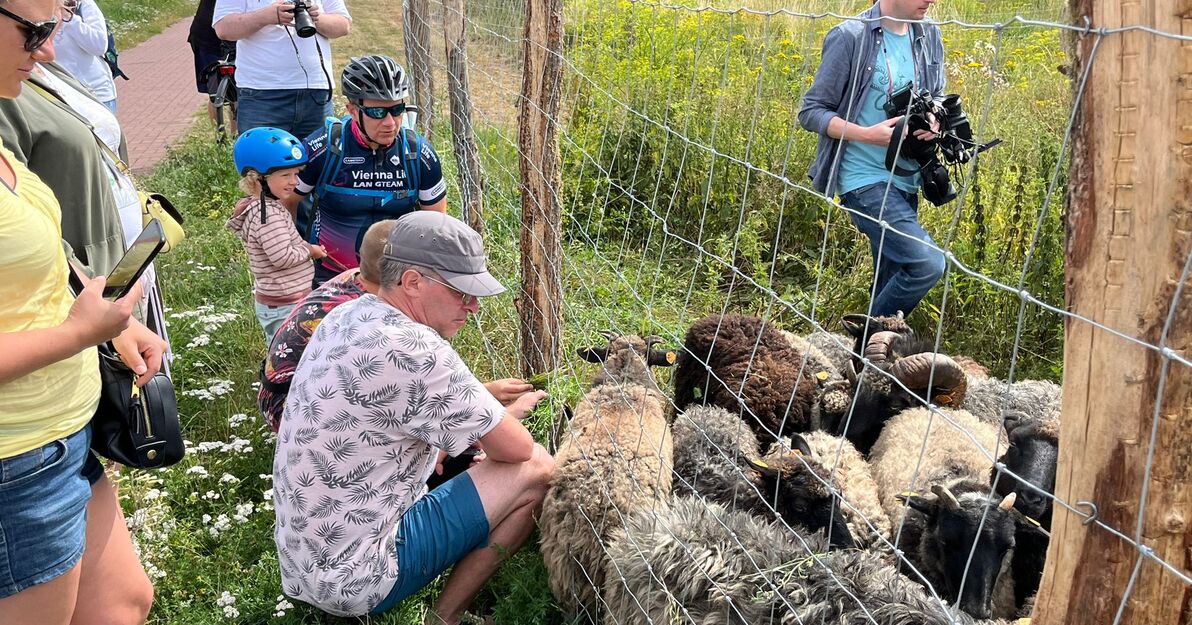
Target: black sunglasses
point(36, 35)
point(379, 112)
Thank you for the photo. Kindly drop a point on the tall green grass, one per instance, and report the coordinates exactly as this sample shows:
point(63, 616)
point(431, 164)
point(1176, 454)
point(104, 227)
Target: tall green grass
point(134, 22)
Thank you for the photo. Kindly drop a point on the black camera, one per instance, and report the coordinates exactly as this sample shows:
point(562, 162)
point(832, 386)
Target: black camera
point(303, 24)
point(952, 145)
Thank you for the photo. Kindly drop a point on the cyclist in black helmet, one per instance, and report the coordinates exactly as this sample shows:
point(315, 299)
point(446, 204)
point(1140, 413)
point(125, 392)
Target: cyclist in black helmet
point(369, 166)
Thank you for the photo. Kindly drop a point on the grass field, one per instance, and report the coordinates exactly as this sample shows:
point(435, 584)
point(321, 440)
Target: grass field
point(204, 527)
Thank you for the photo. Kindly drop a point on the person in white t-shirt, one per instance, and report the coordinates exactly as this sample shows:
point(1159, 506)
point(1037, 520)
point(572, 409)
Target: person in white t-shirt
point(80, 45)
point(377, 402)
point(283, 79)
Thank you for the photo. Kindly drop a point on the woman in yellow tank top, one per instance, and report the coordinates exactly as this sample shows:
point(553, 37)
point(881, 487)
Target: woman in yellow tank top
point(65, 552)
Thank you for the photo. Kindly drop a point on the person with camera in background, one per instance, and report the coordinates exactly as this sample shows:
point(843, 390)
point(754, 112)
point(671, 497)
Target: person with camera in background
point(847, 106)
point(283, 59)
point(370, 165)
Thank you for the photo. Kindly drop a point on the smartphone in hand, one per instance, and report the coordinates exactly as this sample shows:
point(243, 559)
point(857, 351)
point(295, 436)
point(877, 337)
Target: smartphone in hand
point(136, 259)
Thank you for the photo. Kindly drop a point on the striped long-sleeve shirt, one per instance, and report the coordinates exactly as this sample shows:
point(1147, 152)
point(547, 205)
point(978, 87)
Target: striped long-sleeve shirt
point(277, 256)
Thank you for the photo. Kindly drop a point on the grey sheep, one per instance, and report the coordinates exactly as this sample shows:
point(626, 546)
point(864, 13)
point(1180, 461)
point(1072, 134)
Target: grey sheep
point(615, 456)
point(716, 457)
point(698, 562)
point(989, 399)
point(958, 511)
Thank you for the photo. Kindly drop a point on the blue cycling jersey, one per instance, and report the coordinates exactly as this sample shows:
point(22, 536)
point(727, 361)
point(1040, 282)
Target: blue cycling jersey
point(361, 186)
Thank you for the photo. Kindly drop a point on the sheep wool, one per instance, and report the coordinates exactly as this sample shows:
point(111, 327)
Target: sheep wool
point(949, 454)
point(867, 520)
point(615, 457)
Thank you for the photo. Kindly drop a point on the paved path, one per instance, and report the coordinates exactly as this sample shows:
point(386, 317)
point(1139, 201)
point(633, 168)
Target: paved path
point(157, 105)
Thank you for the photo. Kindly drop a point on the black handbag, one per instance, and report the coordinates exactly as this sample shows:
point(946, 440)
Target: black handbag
point(137, 427)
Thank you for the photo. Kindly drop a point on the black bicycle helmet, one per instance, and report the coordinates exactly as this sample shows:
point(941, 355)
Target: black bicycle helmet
point(374, 77)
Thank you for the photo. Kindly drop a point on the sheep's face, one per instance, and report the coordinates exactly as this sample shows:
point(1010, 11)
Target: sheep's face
point(794, 482)
point(953, 524)
point(1032, 456)
point(628, 358)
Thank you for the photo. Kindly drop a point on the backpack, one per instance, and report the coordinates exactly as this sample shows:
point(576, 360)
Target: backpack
point(111, 54)
point(335, 147)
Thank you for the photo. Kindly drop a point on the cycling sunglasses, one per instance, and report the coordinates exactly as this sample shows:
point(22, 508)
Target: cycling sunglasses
point(36, 35)
point(379, 112)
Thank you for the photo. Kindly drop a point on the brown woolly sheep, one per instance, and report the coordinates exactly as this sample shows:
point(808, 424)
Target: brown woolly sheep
point(747, 367)
point(615, 457)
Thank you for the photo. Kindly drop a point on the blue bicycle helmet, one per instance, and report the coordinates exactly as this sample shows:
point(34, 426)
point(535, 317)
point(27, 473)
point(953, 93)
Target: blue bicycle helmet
point(266, 150)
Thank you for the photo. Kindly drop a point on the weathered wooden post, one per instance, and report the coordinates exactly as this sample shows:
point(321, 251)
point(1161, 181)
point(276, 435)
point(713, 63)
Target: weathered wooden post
point(540, 300)
point(1129, 239)
point(463, 138)
point(416, 17)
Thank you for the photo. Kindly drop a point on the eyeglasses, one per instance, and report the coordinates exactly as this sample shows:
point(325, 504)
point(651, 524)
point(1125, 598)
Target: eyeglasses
point(69, 9)
point(379, 112)
point(464, 298)
point(36, 35)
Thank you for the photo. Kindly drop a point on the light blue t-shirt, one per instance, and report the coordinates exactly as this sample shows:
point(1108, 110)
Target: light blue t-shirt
point(865, 164)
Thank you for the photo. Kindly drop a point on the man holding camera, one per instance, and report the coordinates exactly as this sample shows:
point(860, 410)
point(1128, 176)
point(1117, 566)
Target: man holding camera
point(283, 59)
point(848, 107)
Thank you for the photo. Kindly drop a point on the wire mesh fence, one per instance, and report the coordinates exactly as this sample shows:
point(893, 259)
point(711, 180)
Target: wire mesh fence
point(806, 460)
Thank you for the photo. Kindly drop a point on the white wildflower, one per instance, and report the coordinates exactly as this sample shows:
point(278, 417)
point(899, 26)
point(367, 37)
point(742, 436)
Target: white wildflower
point(198, 470)
point(228, 478)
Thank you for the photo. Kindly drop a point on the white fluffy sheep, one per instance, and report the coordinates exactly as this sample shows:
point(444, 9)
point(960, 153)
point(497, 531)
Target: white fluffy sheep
point(948, 504)
point(615, 457)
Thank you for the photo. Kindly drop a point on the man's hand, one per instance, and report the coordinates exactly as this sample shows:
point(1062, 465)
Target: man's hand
point(524, 404)
point(881, 133)
point(315, 11)
point(507, 390)
point(141, 349)
point(929, 135)
point(282, 12)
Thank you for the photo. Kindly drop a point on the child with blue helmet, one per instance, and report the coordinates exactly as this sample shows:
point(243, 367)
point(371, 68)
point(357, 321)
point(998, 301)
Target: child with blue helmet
point(269, 160)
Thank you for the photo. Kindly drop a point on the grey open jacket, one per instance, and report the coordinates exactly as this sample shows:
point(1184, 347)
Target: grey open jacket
point(840, 83)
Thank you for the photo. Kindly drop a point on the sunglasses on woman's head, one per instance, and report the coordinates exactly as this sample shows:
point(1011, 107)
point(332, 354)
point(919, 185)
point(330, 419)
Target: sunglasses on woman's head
point(36, 35)
point(379, 112)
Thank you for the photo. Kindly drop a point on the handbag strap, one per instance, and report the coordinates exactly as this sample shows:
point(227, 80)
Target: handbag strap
point(57, 98)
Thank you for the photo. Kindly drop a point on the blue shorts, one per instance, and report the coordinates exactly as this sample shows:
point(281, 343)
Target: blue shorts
point(440, 529)
point(43, 511)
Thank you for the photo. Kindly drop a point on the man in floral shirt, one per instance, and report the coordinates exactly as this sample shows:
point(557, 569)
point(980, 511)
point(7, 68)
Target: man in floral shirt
point(375, 402)
point(290, 341)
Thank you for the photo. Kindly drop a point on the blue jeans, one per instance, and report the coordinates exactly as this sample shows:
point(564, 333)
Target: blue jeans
point(299, 112)
point(905, 265)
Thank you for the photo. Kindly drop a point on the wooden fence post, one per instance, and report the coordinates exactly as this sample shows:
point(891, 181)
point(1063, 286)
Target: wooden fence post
point(1129, 237)
point(416, 18)
point(463, 138)
point(539, 303)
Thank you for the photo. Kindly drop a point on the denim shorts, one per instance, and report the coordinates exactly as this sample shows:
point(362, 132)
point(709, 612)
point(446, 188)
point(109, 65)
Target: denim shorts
point(440, 529)
point(43, 511)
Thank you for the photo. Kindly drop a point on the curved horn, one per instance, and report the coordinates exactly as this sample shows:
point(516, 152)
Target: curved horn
point(878, 348)
point(652, 340)
point(609, 335)
point(947, 499)
point(1008, 502)
point(914, 371)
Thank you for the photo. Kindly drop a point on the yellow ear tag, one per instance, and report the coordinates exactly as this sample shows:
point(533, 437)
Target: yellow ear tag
point(670, 358)
point(1033, 522)
point(944, 399)
point(759, 464)
point(908, 493)
point(821, 376)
